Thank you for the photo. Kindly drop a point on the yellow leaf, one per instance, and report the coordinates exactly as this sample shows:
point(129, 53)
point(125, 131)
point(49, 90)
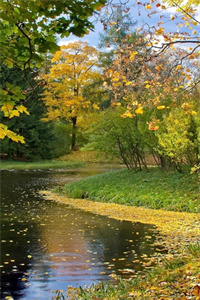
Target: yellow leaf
point(148, 6)
point(22, 109)
point(139, 110)
point(6, 107)
point(161, 107)
point(133, 54)
point(13, 113)
point(14, 137)
point(194, 113)
point(160, 31)
point(95, 106)
point(147, 86)
point(128, 114)
point(2, 133)
point(128, 83)
point(24, 279)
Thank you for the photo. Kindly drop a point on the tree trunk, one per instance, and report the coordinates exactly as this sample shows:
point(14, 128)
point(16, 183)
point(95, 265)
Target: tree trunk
point(73, 143)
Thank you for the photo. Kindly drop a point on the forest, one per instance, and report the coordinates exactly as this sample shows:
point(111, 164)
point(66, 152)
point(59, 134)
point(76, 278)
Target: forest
point(136, 96)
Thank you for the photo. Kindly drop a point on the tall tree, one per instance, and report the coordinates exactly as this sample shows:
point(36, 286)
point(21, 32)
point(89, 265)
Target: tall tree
point(74, 68)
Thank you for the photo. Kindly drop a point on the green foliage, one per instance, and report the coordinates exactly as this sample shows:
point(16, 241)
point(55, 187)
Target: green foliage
point(120, 137)
point(194, 249)
point(154, 189)
point(177, 137)
point(31, 26)
point(62, 142)
point(38, 135)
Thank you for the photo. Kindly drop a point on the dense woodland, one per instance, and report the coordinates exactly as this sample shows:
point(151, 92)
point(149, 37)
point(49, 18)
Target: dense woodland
point(135, 97)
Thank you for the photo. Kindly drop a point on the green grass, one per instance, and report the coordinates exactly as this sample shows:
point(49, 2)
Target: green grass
point(155, 189)
point(45, 164)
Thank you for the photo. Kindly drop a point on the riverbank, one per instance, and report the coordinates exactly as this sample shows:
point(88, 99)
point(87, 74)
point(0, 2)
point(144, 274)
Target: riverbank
point(170, 276)
point(174, 275)
point(154, 189)
point(44, 164)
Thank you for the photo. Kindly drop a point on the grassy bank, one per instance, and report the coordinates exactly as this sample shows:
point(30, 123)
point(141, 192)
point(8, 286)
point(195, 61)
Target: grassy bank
point(45, 164)
point(155, 189)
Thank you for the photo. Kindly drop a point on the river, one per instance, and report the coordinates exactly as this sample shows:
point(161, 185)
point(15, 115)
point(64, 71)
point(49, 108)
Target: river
point(48, 246)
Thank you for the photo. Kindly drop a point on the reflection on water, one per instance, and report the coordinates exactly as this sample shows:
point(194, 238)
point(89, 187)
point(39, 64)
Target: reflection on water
point(48, 245)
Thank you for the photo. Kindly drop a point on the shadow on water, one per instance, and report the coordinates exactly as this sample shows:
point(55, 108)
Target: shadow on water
point(47, 245)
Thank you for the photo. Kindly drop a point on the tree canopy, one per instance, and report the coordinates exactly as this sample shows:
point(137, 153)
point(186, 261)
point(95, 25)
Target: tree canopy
point(74, 68)
point(28, 29)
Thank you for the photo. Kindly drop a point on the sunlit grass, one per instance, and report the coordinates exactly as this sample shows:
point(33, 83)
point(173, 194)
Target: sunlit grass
point(45, 164)
point(155, 189)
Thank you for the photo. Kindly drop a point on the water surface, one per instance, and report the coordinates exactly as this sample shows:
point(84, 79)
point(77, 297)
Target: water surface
point(47, 246)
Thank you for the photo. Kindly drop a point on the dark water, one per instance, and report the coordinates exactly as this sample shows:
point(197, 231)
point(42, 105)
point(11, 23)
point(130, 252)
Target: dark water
point(47, 246)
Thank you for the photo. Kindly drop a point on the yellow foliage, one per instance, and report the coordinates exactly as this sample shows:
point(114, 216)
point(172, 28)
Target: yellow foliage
point(22, 109)
point(159, 31)
point(6, 107)
point(13, 113)
point(4, 131)
point(139, 110)
point(178, 67)
point(183, 4)
point(74, 67)
point(127, 114)
point(133, 54)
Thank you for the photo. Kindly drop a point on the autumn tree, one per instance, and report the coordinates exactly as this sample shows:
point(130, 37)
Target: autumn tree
point(160, 34)
point(74, 68)
point(28, 29)
point(159, 89)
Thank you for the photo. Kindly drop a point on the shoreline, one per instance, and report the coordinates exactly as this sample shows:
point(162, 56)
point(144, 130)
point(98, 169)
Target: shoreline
point(177, 228)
